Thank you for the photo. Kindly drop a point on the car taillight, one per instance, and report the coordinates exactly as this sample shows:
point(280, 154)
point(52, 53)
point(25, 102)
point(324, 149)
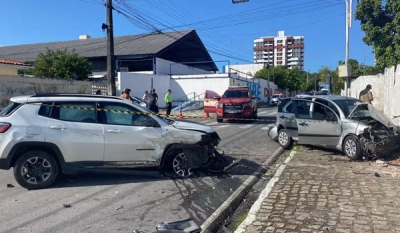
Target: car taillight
point(4, 127)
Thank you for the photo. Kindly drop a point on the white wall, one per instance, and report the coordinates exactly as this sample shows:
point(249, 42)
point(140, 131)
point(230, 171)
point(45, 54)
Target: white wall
point(186, 84)
point(385, 88)
point(164, 67)
point(245, 68)
point(139, 83)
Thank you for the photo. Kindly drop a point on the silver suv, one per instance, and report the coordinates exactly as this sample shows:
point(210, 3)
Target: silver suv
point(343, 123)
point(44, 135)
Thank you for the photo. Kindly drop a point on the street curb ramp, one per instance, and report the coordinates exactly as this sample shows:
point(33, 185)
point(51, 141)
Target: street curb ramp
point(217, 218)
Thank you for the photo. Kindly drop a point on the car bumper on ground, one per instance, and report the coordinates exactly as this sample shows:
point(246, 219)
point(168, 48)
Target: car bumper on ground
point(273, 132)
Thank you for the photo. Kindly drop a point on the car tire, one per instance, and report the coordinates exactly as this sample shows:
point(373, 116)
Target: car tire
point(178, 164)
point(284, 140)
point(219, 120)
point(36, 170)
point(352, 148)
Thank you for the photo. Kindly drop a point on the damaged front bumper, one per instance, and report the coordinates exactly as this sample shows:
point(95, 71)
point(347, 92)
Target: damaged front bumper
point(379, 143)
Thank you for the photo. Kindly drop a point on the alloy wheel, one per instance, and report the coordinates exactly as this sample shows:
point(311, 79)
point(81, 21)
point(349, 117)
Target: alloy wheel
point(350, 148)
point(283, 138)
point(36, 170)
point(182, 166)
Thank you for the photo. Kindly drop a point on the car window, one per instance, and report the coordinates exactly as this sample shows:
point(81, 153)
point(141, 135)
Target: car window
point(84, 112)
point(302, 108)
point(322, 113)
point(9, 109)
point(329, 104)
point(122, 114)
point(236, 94)
point(347, 105)
point(45, 109)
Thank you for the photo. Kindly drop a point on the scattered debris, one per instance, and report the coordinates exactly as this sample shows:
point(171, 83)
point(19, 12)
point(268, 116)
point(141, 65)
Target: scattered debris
point(118, 208)
point(67, 205)
point(377, 174)
point(380, 161)
point(116, 192)
point(10, 186)
point(359, 172)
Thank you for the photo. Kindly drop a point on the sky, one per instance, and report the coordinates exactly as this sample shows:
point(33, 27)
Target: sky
point(227, 29)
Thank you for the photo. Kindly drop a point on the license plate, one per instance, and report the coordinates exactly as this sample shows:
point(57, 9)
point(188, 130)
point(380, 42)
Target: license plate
point(233, 112)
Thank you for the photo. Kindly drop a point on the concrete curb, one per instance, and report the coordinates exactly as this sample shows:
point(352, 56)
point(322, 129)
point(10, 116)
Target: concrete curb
point(213, 222)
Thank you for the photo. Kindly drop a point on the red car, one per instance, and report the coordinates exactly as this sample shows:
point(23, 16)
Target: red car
point(236, 103)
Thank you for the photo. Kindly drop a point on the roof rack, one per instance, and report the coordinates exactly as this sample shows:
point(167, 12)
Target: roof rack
point(74, 95)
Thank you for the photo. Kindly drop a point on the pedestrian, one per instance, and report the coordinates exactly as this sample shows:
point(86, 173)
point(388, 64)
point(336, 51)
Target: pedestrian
point(366, 95)
point(98, 92)
point(168, 101)
point(153, 98)
point(126, 94)
point(146, 98)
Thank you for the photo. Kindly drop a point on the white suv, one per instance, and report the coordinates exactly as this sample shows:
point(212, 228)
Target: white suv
point(44, 135)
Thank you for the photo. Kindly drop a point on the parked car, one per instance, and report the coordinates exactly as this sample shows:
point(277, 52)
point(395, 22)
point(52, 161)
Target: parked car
point(237, 102)
point(44, 135)
point(343, 123)
point(275, 98)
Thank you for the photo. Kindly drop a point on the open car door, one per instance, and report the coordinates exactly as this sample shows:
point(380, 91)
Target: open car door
point(210, 101)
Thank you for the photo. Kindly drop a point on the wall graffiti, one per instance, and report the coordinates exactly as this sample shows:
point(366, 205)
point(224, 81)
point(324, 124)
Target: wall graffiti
point(255, 88)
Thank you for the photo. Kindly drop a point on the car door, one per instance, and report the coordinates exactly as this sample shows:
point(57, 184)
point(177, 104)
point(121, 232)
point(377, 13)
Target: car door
point(129, 138)
point(317, 126)
point(74, 128)
point(286, 117)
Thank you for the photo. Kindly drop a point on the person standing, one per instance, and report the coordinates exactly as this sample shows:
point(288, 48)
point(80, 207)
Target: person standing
point(126, 94)
point(153, 97)
point(98, 92)
point(366, 95)
point(168, 101)
point(146, 98)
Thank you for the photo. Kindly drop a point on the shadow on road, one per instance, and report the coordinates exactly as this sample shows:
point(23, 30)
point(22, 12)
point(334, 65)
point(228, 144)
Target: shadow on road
point(126, 176)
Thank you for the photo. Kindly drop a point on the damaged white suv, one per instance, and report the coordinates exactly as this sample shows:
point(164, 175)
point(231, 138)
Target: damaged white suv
point(44, 135)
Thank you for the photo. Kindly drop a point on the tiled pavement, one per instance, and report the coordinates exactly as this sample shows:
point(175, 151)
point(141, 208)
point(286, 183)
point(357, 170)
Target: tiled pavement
point(321, 192)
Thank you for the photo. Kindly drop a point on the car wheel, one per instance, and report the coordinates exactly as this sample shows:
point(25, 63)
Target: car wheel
point(36, 170)
point(219, 120)
point(352, 148)
point(284, 139)
point(181, 165)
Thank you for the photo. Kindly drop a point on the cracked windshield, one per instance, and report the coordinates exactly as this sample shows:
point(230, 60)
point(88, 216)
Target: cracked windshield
point(214, 116)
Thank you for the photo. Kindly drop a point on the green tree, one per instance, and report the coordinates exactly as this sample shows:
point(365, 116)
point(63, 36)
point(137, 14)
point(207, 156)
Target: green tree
point(285, 78)
point(61, 64)
point(380, 20)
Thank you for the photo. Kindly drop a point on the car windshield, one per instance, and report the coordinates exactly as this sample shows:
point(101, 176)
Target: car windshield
point(236, 94)
point(347, 105)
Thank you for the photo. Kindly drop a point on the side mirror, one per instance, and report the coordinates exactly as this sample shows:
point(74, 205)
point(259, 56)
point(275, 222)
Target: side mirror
point(217, 97)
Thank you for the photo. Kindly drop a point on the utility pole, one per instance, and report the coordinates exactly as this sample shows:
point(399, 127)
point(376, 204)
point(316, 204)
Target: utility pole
point(110, 50)
point(349, 6)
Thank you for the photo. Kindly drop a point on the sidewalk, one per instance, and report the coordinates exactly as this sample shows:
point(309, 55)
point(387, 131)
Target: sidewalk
point(316, 191)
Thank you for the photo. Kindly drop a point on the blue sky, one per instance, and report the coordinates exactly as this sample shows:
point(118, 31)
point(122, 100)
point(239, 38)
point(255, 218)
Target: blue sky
point(322, 23)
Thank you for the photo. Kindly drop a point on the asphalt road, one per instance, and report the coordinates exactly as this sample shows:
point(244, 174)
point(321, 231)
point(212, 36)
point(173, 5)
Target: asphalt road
point(123, 202)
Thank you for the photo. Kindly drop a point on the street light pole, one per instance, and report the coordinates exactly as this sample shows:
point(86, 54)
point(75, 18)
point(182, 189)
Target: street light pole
point(349, 4)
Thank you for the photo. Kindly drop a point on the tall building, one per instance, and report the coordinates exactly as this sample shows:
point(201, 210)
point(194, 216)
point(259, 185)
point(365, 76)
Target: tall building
point(280, 50)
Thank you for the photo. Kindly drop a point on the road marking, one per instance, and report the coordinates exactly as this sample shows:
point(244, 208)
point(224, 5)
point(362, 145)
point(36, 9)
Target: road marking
point(222, 126)
point(271, 113)
point(245, 126)
point(264, 194)
point(265, 128)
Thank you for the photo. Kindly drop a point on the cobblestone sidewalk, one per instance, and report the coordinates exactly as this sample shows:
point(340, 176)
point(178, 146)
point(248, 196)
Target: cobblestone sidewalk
point(321, 192)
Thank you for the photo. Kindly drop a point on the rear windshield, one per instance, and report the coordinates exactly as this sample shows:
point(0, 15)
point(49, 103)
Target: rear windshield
point(9, 109)
point(236, 94)
point(347, 105)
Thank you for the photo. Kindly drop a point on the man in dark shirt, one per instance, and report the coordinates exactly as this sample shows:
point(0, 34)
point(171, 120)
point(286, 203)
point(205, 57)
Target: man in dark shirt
point(153, 101)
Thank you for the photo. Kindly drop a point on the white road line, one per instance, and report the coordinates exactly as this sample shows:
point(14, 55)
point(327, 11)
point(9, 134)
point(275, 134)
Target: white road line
point(214, 123)
point(265, 128)
point(222, 126)
point(263, 113)
point(245, 126)
point(252, 216)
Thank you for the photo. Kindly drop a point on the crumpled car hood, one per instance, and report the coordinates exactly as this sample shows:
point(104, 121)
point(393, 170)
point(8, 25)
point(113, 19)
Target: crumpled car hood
point(193, 126)
point(377, 115)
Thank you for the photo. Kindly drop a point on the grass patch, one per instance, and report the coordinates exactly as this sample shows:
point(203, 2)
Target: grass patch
point(241, 219)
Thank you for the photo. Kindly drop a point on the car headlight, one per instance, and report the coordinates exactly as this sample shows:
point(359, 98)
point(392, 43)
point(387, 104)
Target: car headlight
point(246, 105)
point(219, 105)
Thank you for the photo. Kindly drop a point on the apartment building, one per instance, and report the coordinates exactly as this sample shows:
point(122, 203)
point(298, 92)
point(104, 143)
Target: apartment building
point(280, 50)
